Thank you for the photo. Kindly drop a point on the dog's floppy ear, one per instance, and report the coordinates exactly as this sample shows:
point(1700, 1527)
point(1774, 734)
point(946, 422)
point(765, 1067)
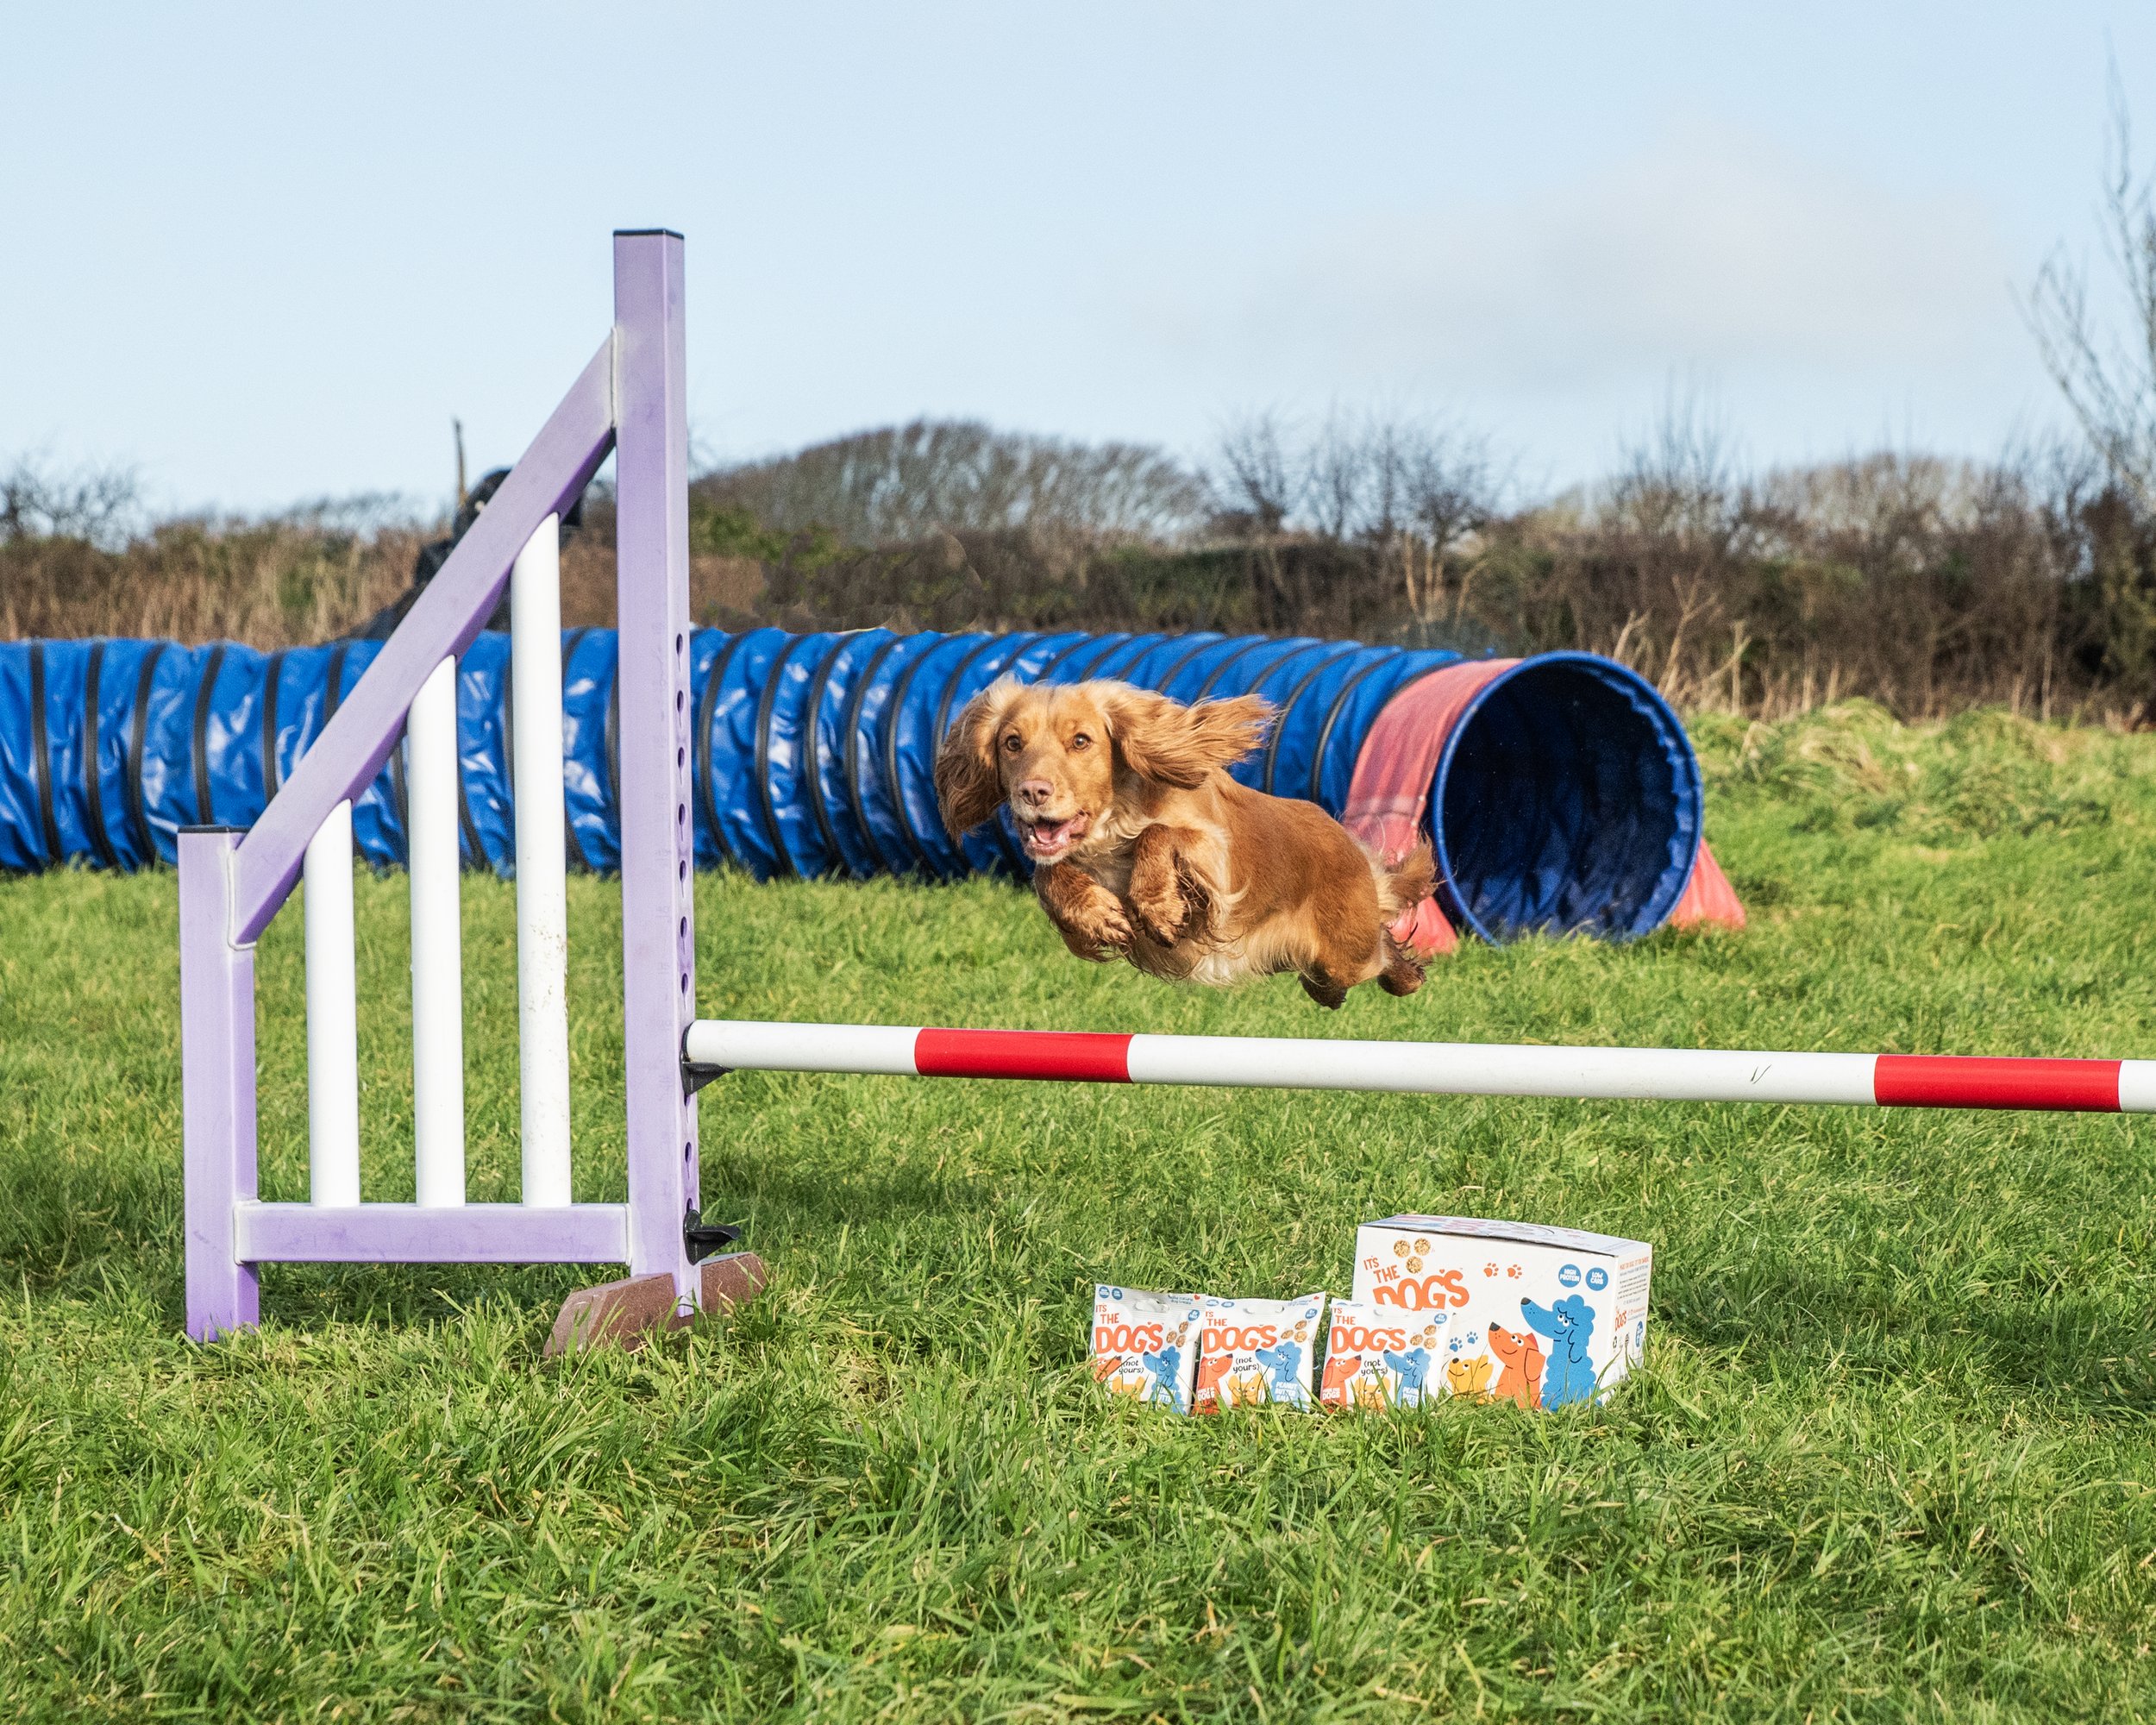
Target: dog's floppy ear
point(1173, 744)
point(969, 789)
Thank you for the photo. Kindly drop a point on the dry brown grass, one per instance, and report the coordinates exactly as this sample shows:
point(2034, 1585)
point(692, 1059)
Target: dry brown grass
point(271, 584)
point(277, 583)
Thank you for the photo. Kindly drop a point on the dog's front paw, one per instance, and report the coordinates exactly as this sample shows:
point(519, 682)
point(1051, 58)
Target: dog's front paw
point(1162, 914)
point(1102, 925)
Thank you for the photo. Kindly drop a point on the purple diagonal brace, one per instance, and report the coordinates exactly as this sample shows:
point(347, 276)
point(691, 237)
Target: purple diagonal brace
point(657, 836)
point(217, 1055)
point(547, 478)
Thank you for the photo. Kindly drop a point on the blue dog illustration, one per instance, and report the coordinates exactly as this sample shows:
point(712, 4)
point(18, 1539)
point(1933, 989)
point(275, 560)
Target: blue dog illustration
point(1411, 1368)
point(1166, 1366)
point(1568, 1377)
point(1282, 1363)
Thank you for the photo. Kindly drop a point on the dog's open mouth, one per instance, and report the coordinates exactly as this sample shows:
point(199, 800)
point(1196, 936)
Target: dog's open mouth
point(1046, 840)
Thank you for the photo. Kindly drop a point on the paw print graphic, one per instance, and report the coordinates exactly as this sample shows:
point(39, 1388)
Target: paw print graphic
point(1489, 1269)
point(1472, 1338)
point(1512, 1269)
point(1454, 1345)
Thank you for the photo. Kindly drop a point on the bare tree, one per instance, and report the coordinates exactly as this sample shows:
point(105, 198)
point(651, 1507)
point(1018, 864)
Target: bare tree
point(1365, 481)
point(100, 505)
point(1255, 480)
point(1679, 481)
point(1450, 486)
point(1340, 479)
point(2106, 372)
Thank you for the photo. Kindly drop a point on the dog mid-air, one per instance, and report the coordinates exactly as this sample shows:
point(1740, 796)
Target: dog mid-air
point(1144, 848)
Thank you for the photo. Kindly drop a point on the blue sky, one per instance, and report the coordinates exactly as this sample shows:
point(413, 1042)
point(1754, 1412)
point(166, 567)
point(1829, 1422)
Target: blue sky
point(266, 253)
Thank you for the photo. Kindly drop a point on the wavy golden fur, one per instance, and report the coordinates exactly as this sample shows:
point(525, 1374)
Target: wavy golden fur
point(1143, 848)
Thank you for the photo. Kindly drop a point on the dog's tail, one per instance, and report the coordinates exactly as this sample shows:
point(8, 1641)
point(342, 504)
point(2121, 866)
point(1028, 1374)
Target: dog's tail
point(1406, 884)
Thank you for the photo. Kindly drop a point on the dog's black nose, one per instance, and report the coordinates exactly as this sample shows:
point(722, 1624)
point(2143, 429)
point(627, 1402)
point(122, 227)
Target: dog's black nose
point(1035, 791)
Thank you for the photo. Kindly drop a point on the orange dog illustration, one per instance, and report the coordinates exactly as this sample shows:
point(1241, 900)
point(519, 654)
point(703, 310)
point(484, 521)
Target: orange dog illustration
point(1339, 1371)
point(1469, 1377)
point(1522, 1381)
point(1106, 1366)
point(1213, 1371)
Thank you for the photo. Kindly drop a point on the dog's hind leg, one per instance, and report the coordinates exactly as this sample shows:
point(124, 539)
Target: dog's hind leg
point(1329, 995)
point(1402, 973)
point(1334, 959)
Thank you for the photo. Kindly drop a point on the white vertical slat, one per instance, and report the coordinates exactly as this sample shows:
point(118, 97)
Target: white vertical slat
point(333, 1035)
point(437, 958)
point(543, 910)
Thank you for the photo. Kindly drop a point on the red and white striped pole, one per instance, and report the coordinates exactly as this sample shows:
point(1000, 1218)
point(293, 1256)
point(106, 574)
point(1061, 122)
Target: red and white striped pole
point(1458, 1069)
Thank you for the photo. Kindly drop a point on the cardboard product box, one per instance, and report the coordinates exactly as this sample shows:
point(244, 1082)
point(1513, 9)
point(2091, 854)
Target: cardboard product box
point(1537, 1316)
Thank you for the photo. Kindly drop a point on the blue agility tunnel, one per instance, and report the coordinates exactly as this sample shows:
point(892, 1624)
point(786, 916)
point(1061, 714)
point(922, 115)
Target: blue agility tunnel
point(1565, 795)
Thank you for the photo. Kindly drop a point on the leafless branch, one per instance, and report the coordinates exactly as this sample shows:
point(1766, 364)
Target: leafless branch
point(99, 506)
point(2106, 366)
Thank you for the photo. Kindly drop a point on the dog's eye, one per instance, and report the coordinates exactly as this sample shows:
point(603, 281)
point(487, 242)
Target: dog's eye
point(1080, 740)
point(1011, 744)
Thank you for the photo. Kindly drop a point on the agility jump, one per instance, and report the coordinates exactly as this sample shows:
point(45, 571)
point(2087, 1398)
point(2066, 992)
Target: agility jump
point(629, 400)
point(715, 1046)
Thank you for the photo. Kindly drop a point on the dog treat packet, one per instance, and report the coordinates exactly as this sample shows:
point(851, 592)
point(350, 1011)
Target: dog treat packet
point(1253, 1351)
point(1145, 1344)
point(1534, 1315)
point(1378, 1359)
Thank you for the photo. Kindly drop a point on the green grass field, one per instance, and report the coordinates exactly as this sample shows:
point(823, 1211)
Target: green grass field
point(1889, 1458)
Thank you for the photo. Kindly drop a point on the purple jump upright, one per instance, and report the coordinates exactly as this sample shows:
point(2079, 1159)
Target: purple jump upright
point(658, 838)
point(629, 399)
